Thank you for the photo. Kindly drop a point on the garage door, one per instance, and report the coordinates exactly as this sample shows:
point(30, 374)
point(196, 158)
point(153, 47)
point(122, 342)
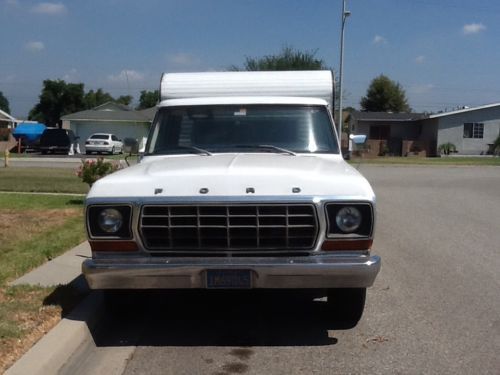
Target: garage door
point(121, 129)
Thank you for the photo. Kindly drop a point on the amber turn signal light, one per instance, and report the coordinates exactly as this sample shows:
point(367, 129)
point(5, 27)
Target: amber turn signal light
point(332, 245)
point(116, 246)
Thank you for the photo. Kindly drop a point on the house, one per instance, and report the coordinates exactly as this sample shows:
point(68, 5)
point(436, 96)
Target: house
point(396, 134)
point(111, 118)
point(472, 130)
point(7, 121)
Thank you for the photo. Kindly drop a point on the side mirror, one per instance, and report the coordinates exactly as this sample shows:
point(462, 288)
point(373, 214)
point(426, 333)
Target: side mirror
point(358, 139)
point(130, 146)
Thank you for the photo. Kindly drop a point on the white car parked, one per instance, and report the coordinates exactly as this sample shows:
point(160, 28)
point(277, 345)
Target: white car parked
point(102, 142)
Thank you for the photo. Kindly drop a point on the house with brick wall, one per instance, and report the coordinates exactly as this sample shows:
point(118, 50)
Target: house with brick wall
point(472, 130)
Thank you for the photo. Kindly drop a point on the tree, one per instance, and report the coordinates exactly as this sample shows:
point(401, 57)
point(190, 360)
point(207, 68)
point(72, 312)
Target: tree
point(385, 95)
point(57, 99)
point(148, 99)
point(124, 99)
point(4, 103)
point(287, 59)
point(93, 98)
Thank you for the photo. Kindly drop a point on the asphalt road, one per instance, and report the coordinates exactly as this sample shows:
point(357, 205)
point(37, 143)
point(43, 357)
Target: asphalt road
point(54, 161)
point(434, 309)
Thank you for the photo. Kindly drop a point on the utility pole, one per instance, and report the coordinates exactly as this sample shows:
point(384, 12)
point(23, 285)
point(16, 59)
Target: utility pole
point(345, 14)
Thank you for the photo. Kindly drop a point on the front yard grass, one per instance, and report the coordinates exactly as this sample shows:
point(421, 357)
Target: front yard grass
point(51, 180)
point(33, 230)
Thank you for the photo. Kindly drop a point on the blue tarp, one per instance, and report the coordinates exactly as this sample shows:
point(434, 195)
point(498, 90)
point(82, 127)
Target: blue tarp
point(29, 132)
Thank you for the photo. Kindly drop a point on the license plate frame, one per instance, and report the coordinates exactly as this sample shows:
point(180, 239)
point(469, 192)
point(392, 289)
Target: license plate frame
point(229, 279)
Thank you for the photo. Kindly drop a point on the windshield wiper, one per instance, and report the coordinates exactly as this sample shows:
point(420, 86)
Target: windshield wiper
point(192, 149)
point(269, 147)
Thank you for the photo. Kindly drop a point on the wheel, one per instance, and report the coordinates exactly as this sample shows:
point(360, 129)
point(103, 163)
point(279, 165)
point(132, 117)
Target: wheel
point(44, 152)
point(87, 152)
point(346, 305)
point(113, 150)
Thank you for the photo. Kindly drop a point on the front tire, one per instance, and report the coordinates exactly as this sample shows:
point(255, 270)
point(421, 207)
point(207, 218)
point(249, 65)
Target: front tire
point(346, 305)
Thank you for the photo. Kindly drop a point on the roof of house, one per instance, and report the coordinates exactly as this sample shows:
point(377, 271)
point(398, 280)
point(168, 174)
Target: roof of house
point(463, 110)
point(111, 106)
point(112, 112)
point(386, 116)
point(5, 116)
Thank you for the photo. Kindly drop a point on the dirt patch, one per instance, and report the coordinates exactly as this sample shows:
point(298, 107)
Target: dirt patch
point(34, 319)
point(17, 225)
point(13, 349)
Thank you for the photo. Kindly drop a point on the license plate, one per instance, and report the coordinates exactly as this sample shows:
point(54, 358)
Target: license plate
point(229, 279)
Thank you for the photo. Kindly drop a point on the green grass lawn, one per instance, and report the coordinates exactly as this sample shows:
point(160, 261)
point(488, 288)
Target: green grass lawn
point(39, 202)
point(455, 160)
point(34, 229)
point(52, 180)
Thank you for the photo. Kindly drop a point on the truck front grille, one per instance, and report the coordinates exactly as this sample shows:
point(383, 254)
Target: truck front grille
point(228, 227)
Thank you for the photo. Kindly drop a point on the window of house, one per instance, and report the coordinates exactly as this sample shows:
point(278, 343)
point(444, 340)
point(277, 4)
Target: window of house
point(473, 130)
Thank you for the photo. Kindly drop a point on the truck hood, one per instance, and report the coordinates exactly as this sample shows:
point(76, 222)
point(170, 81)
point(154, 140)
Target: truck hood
point(236, 174)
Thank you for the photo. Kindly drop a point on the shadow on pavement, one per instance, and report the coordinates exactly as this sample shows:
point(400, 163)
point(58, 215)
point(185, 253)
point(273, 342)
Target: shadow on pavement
point(69, 296)
point(215, 318)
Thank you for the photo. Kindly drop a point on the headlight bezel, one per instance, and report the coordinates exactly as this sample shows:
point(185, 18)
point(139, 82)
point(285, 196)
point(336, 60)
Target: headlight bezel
point(96, 232)
point(365, 229)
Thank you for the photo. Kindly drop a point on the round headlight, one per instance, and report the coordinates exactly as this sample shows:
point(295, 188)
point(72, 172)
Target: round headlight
point(110, 220)
point(348, 219)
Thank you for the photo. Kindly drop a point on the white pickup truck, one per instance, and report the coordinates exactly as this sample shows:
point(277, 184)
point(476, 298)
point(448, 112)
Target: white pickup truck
point(242, 185)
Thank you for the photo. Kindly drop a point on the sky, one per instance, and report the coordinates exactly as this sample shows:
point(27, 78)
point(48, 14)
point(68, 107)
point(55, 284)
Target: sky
point(444, 53)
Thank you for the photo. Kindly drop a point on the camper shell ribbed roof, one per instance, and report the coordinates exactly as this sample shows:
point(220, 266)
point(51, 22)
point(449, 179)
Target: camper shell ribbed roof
point(305, 84)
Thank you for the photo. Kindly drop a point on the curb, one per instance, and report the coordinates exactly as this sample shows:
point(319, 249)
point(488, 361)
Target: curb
point(54, 349)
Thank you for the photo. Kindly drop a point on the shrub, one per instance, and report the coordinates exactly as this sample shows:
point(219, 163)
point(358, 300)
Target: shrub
point(496, 146)
point(91, 170)
point(447, 148)
point(384, 149)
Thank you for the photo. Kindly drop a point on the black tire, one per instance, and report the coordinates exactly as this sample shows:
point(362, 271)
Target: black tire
point(44, 152)
point(87, 152)
point(346, 305)
point(113, 150)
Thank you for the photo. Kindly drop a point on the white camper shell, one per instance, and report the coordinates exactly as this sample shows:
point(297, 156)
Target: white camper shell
point(318, 84)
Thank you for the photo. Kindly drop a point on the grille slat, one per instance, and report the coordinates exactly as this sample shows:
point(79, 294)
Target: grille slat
point(228, 227)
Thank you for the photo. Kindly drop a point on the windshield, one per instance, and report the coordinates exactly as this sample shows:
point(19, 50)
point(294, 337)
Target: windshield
point(240, 128)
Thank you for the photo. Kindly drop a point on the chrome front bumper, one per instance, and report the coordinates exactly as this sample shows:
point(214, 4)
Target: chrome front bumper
point(318, 271)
